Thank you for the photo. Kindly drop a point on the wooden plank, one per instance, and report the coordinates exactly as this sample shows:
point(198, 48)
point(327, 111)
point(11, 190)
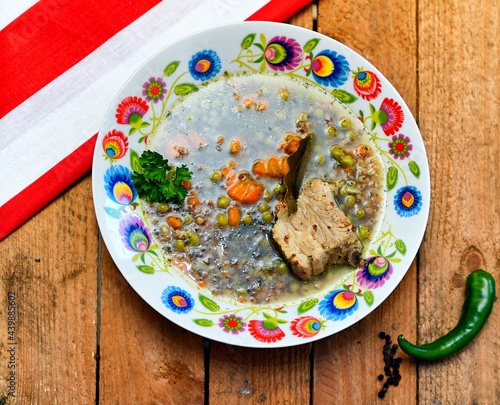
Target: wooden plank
point(48, 269)
point(253, 376)
point(459, 108)
point(385, 34)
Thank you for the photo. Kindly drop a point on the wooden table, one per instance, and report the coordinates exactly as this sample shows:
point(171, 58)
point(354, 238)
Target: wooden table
point(84, 336)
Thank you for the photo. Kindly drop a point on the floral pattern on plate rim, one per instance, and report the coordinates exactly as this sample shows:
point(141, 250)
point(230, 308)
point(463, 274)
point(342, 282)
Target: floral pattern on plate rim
point(136, 116)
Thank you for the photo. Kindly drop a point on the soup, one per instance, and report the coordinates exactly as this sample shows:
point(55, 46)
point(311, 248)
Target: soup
point(235, 135)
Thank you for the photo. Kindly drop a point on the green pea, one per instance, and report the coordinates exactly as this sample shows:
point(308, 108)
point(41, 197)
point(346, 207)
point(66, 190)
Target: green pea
point(281, 267)
point(194, 239)
point(302, 117)
point(267, 217)
point(294, 287)
point(345, 123)
point(350, 201)
point(223, 201)
point(346, 161)
point(187, 219)
point(331, 131)
point(279, 189)
point(216, 175)
point(320, 159)
point(351, 135)
point(241, 292)
point(180, 245)
point(263, 207)
point(222, 219)
point(284, 94)
point(247, 220)
point(163, 207)
point(337, 153)
point(363, 232)
point(360, 212)
point(268, 196)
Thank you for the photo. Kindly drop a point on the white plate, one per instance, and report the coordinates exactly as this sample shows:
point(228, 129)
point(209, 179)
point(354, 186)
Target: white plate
point(236, 48)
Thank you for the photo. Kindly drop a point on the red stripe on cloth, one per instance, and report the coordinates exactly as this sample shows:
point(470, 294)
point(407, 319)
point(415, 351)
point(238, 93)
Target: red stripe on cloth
point(52, 36)
point(278, 10)
point(37, 195)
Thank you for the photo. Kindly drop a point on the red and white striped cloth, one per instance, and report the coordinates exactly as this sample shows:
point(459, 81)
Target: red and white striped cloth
point(61, 64)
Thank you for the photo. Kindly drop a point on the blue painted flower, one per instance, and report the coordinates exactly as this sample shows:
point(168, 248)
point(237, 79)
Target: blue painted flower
point(204, 65)
point(408, 201)
point(374, 273)
point(119, 186)
point(283, 53)
point(338, 304)
point(177, 300)
point(330, 68)
point(135, 235)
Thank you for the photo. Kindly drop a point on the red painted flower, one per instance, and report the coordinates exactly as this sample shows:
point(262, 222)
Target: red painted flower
point(131, 110)
point(367, 84)
point(306, 326)
point(266, 331)
point(390, 116)
point(115, 145)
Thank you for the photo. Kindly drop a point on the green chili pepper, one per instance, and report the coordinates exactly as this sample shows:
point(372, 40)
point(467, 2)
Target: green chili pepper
point(480, 295)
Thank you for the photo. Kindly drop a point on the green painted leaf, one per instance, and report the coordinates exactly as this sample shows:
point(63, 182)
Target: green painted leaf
point(307, 305)
point(259, 46)
point(185, 88)
point(362, 114)
point(258, 60)
point(395, 260)
point(266, 315)
point(263, 66)
point(373, 252)
point(392, 177)
point(134, 161)
point(146, 269)
point(414, 168)
point(401, 247)
point(379, 250)
point(203, 322)
point(372, 109)
point(132, 131)
point(373, 125)
point(344, 96)
point(247, 41)
point(391, 255)
point(282, 321)
point(145, 124)
point(311, 44)
point(208, 303)
point(369, 298)
point(263, 40)
point(171, 68)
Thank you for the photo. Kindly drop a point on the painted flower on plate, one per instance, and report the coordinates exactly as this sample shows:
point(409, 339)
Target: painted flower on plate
point(131, 110)
point(389, 116)
point(119, 186)
point(177, 300)
point(306, 326)
point(367, 84)
point(330, 68)
point(135, 235)
point(283, 53)
point(338, 304)
point(232, 323)
point(115, 145)
point(266, 331)
point(204, 65)
point(400, 146)
point(374, 273)
point(154, 89)
point(408, 201)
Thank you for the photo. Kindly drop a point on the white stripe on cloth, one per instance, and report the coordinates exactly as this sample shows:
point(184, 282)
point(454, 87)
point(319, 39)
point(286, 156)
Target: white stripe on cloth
point(55, 121)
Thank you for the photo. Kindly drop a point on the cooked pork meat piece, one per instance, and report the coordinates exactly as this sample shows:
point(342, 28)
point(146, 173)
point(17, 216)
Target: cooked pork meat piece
point(318, 233)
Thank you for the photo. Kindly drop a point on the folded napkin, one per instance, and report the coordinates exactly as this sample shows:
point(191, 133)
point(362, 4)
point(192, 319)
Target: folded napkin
point(61, 64)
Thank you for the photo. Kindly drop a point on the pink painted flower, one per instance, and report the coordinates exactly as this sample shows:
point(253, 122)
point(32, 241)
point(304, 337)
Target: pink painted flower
point(266, 331)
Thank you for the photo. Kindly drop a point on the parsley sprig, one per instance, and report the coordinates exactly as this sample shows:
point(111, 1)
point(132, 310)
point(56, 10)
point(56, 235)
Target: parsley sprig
point(159, 181)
